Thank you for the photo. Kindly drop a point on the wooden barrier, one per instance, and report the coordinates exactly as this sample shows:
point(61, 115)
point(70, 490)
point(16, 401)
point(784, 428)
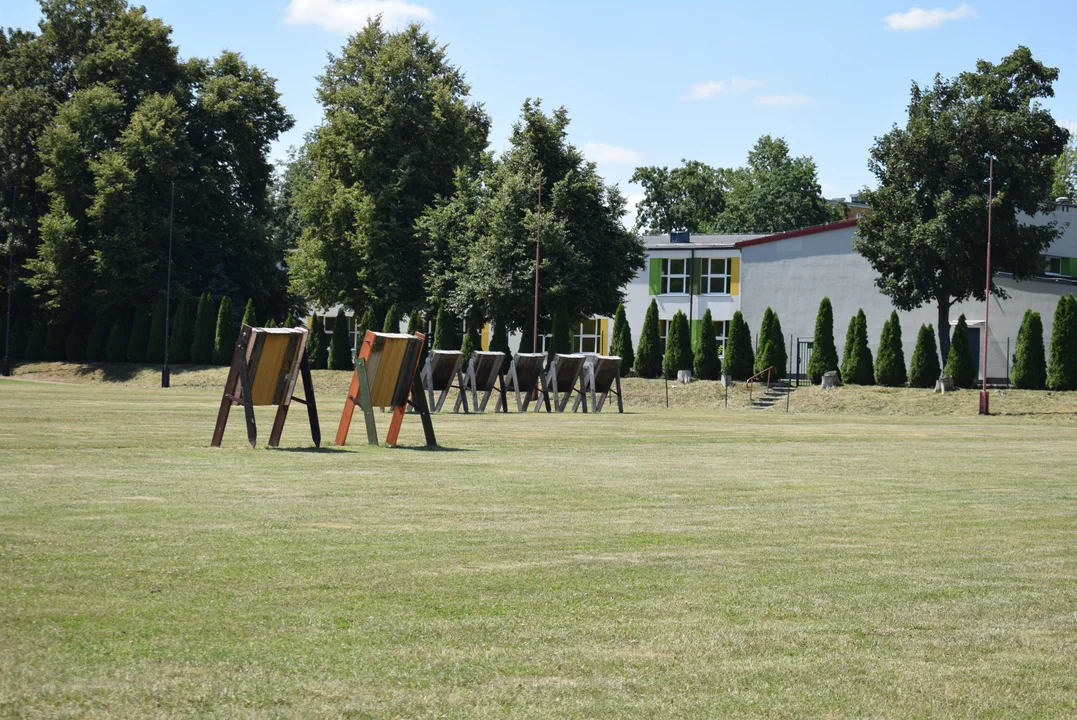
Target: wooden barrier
point(561, 381)
point(601, 375)
point(483, 372)
point(266, 363)
point(442, 367)
point(524, 378)
point(385, 374)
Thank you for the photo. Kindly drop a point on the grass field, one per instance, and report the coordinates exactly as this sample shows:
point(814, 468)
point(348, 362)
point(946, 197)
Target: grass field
point(661, 563)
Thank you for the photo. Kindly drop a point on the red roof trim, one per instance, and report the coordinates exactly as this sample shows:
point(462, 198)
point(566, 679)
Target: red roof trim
point(841, 225)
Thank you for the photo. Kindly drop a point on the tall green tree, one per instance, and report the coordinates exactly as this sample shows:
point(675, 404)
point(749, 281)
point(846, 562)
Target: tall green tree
point(340, 344)
point(850, 344)
point(105, 118)
point(1030, 362)
point(1065, 174)
point(224, 337)
point(499, 342)
point(824, 356)
point(772, 352)
point(116, 347)
point(890, 362)
point(55, 342)
point(317, 347)
point(249, 316)
point(398, 123)
point(75, 349)
point(621, 340)
point(179, 345)
point(139, 339)
point(155, 346)
point(445, 336)
point(960, 365)
point(689, 197)
point(561, 332)
point(96, 340)
point(678, 354)
point(925, 369)
point(649, 353)
point(472, 336)
point(739, 359)
point(202, 342)
point(392, 321)
point(480, 242)
point(1062, 368)
point(925, 237)
point(773, 193)
point(364, 322)
point(858, 368)
point(706, 364)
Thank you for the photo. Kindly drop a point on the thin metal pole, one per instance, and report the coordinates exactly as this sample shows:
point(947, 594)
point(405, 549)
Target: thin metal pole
point(10, 282)
point(165, 379)
point(788, 384)
point(538, 235)
point(985, 399)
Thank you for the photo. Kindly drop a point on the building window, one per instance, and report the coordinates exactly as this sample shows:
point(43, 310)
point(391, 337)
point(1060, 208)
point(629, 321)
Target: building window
point(329, 321)
point(663, 329)
point(1052, 265)
point(589, 336)
point(721, 334)
point(674, 277)
point(715, 277)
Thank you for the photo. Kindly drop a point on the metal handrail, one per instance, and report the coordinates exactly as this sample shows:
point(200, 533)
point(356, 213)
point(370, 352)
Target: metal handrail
point(760, 374)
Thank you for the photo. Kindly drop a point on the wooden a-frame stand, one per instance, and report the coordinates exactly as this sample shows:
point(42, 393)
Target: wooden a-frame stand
point(237, 391)
point(359, 396)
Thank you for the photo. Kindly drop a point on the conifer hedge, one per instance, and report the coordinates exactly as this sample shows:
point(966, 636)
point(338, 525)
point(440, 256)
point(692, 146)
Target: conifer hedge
point(649, 353)
point(772, 352)
point(499, 342)
point(824, 355)
point(858, 368)
point(1030, 362)
point(249, 316)
point(739, 359)
point(55, 343)
point(444, 330)
point(890, 363)
point(75, 350)
point(155, 346)
point(289, 322)
point(116, 347)
point(678, 354)
point(417, 323)
point(1062, 368)
point(924, 369)
point(621, 340)
point(224, 338)
point(139, 339)
point(561, 332)
point(202, 339)
point(96, 340)
point(35, 346)
point(392, 321)
point(706, 365)
point(179, 345)
point(960, 364)
point(317, 348)
point(340, 345)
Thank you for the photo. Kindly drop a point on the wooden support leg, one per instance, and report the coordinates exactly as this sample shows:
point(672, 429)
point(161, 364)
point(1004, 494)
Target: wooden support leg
point(308, 398)
point(394, 425)
point(503, 396)
point(248, 406)
point(365, 403)
point(418, 401)
point(349, 409)
point(620, 404)
point(238, 356)
point(278, 426)
point(463, 390)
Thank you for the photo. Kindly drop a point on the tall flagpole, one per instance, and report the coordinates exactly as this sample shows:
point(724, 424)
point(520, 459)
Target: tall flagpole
point(10, 282)
point(538, 233)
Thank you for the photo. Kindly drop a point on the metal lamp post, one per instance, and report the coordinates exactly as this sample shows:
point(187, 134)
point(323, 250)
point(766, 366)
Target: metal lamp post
point(10, 282)
point(985, 398)
point(165, 376)
point(538, 235)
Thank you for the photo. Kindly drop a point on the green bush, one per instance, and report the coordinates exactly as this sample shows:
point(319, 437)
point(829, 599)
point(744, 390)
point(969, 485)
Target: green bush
point(858, 368)
point(182, 332)
point(1030, 363)
point(289, 322)
point(890, 362)
point(739, 360)
point(75, 349)
point(116, 347)
point(202, 340)
point(1062, 368)
point(317, 348)
point(139, 337)
point(392, 321)
point(417, 324)
point(340, 344)
point(35, 345)
point(472, 337)
point(772, 351)
point(224, 339)
point(621, 340)
point(249, 316)
point(561, 333)
point(499, 342)
point(960, 364)
point(527, 339)
point(706, 364)
point(678, 346)
point(924, 369)
point(270, 323)
point(155, 346)
point(649, 353)
point(824, 355)
point(445, 335)
point(95, 342)
point(363, 323)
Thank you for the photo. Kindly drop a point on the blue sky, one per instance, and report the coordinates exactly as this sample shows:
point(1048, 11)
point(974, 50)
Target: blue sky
point(651, 83)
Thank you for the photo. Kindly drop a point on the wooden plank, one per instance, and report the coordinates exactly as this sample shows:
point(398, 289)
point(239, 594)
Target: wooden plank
point(365, 402)
point(239, 357)
point(308, 398)
point(278, 426)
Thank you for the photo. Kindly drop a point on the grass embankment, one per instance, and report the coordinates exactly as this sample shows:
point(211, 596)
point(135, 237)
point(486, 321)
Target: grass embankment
point(660, 564)
point(639, 394)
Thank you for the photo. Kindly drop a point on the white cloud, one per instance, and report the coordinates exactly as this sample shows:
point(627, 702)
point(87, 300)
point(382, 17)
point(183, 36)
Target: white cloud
point(606, 153)
point(346, 16)
point(783, 100)
point(919, 18)
point(704, 90)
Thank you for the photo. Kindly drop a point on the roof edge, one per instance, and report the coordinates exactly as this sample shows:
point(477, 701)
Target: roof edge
point(814, 229)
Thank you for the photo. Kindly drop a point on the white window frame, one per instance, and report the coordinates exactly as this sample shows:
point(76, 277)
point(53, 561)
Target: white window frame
point(669, 277)
point(708, 276)
point(582, 336)
point(722, 336)
point(663, 331)
point(1047, 260)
